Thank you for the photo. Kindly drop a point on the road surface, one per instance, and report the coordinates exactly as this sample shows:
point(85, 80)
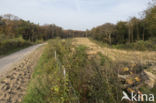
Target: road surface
point(15, 77)
point(7, 61)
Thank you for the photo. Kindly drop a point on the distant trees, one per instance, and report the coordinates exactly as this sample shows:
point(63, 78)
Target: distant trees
point(73, 33)
point(12, 27)
point(50, 31)
point(2, 24)
point(150, 21)
point(104, 32)
point(128, 32)
point(109, 30)
point(134, 29)
point(121, 32)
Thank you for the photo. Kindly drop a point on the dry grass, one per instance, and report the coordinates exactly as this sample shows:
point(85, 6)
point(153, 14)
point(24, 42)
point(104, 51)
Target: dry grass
point(142, 57)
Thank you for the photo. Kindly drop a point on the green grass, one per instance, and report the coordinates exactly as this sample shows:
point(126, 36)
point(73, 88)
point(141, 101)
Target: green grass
point(88, 79)
point(9, 46)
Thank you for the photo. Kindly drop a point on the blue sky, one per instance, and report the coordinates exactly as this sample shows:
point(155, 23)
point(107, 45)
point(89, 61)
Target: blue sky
point(73, 14)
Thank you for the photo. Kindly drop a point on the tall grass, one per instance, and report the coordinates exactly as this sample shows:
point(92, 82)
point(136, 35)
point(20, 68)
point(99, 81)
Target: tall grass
point(66, 74)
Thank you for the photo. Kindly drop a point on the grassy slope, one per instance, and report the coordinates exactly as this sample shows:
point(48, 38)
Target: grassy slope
point(87, 78)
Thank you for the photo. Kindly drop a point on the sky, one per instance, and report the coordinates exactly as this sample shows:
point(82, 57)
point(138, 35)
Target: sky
point(74, 14)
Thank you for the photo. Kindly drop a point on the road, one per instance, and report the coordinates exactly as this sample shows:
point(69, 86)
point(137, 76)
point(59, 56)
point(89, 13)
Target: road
point(16, 72)
point(7, 61)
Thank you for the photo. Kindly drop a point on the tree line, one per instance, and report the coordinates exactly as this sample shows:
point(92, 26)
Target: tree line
point(13, 27)
point(135, 29)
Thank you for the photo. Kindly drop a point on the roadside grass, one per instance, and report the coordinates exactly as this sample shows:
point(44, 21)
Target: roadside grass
point(9, 46)
point(66, 74)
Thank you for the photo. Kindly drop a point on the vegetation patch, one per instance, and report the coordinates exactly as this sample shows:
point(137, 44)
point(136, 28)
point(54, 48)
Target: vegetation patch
point(139, 45)
point(11, 45)
point(66, 74)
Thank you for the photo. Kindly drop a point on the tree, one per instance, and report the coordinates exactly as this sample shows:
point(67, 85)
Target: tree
point(104, 32)
point(150, 20)
point(109, 29)
point(121, 32)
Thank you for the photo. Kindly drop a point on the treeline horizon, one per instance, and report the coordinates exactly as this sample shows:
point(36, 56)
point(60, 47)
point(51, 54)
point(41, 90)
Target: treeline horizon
point(12, 26)
point(134, 30)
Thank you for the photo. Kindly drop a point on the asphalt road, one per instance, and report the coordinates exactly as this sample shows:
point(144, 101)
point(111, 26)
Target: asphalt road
point(7, 61)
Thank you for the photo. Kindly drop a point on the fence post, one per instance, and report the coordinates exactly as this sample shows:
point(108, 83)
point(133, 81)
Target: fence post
point(64, 72)
point(55, 54)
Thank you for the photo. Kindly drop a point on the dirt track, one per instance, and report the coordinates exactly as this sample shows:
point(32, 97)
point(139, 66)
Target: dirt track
point(14, 83)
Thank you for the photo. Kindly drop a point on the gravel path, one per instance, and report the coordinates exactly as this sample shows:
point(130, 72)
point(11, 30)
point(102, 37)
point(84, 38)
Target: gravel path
point(19, 67)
